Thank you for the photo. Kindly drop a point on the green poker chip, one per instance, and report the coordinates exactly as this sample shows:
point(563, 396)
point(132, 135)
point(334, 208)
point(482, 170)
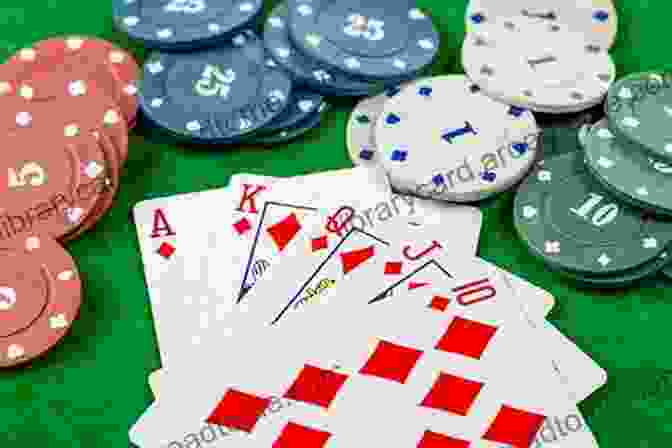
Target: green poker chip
point(622, 279)
point(635, 176)
point(667, 270)
point(639, 108)
point(570, 221)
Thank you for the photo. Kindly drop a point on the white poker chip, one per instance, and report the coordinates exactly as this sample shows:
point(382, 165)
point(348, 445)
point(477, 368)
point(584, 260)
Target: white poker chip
point(531, 64)
point(443, 139)
point(597, 20)
point(360, 134)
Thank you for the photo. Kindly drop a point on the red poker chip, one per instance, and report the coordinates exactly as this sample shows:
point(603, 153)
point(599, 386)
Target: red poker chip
point(49, 183)
point(58, 102)
point(114, 70)
point(107, 189)
point(40, 296)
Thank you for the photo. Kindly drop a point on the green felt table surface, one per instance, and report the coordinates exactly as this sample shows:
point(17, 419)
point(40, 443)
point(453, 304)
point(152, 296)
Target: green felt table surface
point(90, 389)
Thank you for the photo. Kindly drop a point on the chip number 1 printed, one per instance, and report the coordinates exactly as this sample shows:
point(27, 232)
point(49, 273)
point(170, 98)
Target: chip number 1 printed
point(602, 216)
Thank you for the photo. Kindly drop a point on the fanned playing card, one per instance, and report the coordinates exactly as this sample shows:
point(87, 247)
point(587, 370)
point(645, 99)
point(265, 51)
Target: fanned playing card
point(450, 364)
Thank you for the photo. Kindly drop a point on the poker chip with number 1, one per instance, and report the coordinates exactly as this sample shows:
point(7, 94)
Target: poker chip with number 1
point(465, 152)
point(597, 20)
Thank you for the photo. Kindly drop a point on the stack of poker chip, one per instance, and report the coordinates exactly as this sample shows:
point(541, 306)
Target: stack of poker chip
point(213, 80)
point(442, 138)
point(547, 57)
point(602, 215)
point(66, 106)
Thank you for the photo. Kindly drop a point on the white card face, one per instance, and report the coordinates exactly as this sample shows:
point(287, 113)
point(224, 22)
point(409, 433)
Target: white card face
point(466, 339)
point(179, 293)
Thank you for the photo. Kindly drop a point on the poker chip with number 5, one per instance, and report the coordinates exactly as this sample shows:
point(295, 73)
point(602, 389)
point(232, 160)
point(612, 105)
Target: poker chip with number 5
point(372, 39)
point(442, 138)
point(40, 296)
point(216, 95)
point(566, 218)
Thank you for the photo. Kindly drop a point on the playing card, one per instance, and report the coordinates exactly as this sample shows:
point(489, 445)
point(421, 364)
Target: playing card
point(401, 248)
point(287, 280)
point(465, 336)
point(268, 218)
point(180, 293)
point(194, 284)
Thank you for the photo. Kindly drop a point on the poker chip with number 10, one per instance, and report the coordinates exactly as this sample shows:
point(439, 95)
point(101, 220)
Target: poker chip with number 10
point(572, 223)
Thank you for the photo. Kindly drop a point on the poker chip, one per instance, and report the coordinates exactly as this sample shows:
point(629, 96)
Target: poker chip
point(303, 69)
point(635, 176)
point(40, 297)
point(112, 69)
point(215, 95)
point(107, 188)
point(596, 19)
point(179, 25)
point(76, 133)
point(620, 280)
point(566, 218)
point(531, 64)
point(360, 134)
point(303, 104)
point(297, 130)
point(60, 103)
point(667, 270)
point(464, 153)
point(373, 39)
point(639, 107)
point(52, 183)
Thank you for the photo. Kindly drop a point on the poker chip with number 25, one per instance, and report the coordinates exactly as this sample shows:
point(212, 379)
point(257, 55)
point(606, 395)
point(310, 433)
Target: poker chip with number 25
point(373, 39)
point(216, 95)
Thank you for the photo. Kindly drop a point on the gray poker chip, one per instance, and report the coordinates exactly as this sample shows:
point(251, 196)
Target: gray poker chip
point(637, 176)
point(463, 153)
point(374, 39)
point(639, 107)
point(214, 95)
point(569, 220)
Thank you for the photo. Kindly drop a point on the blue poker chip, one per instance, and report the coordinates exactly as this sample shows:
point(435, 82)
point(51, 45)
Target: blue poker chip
point(217, 95)
point(303, 69)
point(183, 25)
point(292, 133)
point(376, 39)
point(303, 103)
